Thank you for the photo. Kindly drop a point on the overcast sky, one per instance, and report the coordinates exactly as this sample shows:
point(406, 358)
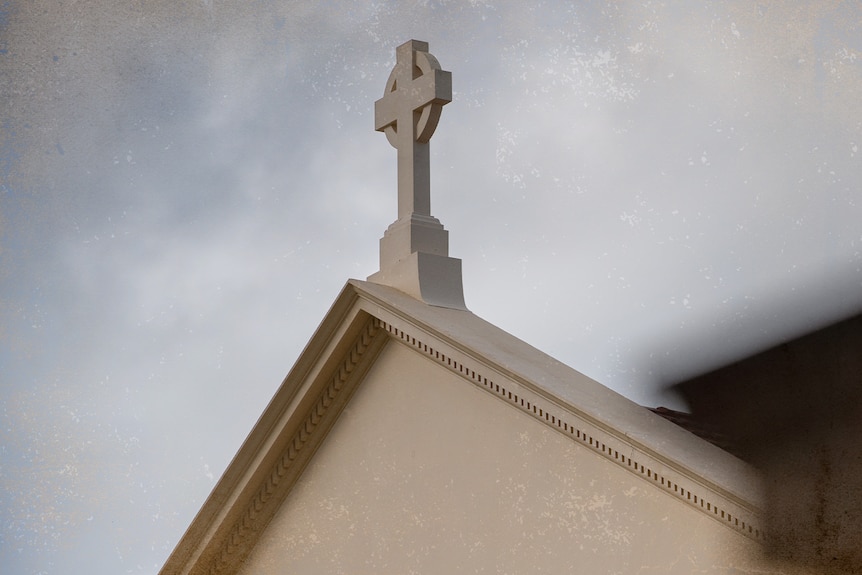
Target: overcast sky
point(642, 190)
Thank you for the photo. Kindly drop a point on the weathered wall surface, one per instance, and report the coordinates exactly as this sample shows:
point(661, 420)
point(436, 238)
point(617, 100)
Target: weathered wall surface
point(425, 473)
point(794, 412)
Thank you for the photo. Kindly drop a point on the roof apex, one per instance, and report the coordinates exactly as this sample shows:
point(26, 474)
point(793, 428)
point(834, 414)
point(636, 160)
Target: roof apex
point(361, 320)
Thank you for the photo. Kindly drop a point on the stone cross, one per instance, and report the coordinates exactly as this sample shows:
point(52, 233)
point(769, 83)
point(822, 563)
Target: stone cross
point(408, 113)
point(414, 250)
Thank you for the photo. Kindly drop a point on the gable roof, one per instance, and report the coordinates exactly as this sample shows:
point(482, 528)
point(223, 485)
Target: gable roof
point(365, 316)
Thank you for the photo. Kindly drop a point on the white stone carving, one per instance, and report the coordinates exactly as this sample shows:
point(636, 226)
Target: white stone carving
point(414, 250)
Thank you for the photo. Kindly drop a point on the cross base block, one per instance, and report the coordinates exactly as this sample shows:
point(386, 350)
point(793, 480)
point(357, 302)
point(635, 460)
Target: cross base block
point(417, 234)
point(432, 278)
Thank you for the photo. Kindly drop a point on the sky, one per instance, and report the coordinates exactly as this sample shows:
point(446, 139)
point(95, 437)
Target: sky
point(645, 191)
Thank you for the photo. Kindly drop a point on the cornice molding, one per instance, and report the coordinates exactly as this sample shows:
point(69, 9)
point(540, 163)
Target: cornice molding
point(617, 448)
point(321, 383)
point(287, 469)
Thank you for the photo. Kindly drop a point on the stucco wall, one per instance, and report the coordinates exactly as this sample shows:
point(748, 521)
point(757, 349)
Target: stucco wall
point(426, 473)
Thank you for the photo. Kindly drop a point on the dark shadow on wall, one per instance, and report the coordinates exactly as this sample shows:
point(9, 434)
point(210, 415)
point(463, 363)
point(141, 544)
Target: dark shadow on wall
point(795, 412)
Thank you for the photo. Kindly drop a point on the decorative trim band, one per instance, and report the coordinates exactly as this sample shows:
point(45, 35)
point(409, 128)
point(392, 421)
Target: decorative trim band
point(671, 481)
point(234, 548)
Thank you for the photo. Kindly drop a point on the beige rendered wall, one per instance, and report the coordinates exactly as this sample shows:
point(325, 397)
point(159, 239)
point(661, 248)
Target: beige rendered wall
point(426, 473)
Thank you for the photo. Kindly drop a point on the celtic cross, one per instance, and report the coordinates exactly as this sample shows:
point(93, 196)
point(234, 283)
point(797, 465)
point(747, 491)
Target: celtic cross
point(414, 249)
point(408, 113)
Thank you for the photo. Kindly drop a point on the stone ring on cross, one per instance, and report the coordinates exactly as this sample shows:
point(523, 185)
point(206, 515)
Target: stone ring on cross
point(415, 94)
point(408, 113)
